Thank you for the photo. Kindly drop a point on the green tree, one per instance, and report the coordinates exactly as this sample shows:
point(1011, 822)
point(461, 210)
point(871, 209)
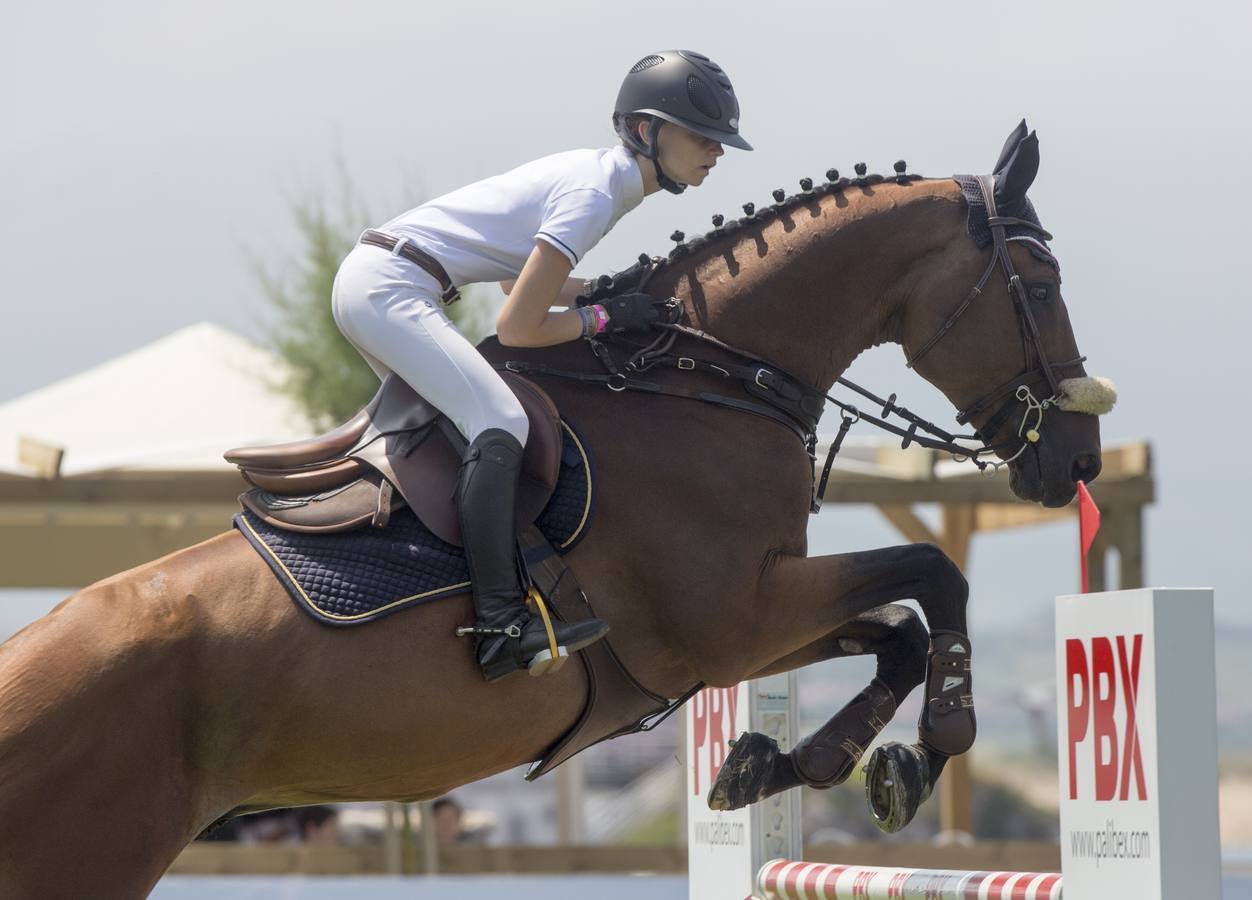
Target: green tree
point(326, 374)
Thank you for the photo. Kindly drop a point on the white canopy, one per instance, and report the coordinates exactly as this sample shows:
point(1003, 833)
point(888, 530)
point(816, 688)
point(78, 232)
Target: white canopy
point(176, 404)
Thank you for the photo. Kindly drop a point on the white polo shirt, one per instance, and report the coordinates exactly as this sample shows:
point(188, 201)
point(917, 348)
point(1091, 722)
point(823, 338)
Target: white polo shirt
point(486, 231)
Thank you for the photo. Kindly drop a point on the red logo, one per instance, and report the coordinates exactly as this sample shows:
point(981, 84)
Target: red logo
point(712, 725)
point(1091, 697)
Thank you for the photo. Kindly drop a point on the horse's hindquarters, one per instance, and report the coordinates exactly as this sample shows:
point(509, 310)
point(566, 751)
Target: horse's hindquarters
point(96, 797)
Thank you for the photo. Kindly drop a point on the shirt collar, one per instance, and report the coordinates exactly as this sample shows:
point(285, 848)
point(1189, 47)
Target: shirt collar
point(632, 178)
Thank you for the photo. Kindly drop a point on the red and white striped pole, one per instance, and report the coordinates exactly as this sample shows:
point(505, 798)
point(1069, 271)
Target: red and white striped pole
point(783, 879)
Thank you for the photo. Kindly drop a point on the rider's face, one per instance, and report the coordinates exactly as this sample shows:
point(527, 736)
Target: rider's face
point(686, 156)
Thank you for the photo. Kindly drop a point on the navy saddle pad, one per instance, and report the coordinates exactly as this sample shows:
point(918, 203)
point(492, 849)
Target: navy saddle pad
point(358, 576)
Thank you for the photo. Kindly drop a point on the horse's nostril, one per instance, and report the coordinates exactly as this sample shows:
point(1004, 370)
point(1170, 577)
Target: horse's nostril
point(1086, 467)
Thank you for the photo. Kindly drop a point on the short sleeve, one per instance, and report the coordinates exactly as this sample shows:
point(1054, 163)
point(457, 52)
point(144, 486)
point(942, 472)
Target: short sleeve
point(574, 221)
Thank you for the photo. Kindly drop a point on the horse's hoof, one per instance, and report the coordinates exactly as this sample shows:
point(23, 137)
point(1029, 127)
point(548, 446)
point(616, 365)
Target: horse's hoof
point(745, 775)
point(897, 782)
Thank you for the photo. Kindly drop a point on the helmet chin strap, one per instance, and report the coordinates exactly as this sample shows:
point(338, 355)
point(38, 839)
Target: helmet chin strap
point(653, 151)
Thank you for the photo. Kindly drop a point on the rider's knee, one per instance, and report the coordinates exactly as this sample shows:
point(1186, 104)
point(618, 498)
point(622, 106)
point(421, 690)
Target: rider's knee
point(515, 422)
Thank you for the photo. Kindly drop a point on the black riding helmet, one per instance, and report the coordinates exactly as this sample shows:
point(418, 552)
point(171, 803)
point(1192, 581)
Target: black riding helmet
point(683, 87)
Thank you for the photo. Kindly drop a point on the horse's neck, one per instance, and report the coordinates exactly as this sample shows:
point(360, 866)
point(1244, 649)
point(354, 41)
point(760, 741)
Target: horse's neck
point(813, 288)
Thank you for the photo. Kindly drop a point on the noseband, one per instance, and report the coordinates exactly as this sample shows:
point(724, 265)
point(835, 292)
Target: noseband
point(1038, 367)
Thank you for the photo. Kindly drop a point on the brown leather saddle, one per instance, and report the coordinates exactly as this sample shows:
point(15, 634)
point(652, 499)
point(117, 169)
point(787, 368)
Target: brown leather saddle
point(399, 450)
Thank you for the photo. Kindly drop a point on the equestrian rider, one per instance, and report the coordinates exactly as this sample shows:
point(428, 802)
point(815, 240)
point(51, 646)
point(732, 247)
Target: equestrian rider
point(526, 229)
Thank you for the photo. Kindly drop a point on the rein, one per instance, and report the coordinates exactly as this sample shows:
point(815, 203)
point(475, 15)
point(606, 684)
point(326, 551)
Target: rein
point(797, 405)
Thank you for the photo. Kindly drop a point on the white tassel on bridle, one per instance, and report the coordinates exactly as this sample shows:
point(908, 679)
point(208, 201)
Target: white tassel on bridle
point(1092, 395)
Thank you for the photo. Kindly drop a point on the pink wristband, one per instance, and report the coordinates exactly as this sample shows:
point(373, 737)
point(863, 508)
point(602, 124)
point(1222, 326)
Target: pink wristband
point(602, 317)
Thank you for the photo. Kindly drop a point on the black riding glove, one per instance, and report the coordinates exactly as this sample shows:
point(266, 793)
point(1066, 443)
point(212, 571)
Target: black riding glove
point(631, 312)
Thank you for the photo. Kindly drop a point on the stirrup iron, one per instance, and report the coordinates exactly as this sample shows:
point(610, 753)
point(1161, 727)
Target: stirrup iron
point(550, 660)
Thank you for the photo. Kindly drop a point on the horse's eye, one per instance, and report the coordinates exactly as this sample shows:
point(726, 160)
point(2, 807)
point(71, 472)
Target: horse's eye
point(1038, 292)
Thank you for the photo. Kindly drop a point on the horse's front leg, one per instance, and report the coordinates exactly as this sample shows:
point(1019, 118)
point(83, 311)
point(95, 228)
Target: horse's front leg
point(756, 767)
point(900, 778)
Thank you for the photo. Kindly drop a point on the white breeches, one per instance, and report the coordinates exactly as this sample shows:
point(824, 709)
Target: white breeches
point(388, 308)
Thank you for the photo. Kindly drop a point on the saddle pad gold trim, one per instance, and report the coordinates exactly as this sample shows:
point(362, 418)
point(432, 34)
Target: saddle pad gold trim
point(578, 532)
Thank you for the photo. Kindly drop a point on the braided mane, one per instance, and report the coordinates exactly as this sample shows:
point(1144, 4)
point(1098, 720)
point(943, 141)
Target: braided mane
point(833, 185)
point(648, 267)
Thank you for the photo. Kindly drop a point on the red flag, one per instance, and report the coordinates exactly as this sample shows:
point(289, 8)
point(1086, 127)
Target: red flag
point(1088, 525)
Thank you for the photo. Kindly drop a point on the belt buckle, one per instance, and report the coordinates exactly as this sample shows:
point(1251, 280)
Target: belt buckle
point(450, 295)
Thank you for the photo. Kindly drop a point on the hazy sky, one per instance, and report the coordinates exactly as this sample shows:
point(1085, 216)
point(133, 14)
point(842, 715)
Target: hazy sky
point(146, 147)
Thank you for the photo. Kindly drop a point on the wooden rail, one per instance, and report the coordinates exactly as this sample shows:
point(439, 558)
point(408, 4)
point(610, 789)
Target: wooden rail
point(221, 858)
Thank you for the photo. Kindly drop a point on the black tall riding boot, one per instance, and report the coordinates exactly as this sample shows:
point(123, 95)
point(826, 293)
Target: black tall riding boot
point(509, 637)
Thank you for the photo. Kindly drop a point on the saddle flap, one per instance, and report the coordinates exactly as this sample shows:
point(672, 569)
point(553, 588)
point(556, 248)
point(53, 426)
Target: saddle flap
point(616, 703)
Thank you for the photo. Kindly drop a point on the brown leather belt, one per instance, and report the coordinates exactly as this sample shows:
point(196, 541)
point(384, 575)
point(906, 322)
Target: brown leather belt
point(414, 254)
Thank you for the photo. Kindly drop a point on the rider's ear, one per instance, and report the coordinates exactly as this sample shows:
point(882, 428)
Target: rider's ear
point(641, 126)
point(1010, 145)
point(1018, 175)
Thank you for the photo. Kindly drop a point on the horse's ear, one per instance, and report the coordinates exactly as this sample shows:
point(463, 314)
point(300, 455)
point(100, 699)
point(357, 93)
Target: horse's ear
point(1009, 146)
point(1018, 174)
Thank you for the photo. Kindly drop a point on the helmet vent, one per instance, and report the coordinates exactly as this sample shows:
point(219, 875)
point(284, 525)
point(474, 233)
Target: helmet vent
point(647, 63)
point(702, 98)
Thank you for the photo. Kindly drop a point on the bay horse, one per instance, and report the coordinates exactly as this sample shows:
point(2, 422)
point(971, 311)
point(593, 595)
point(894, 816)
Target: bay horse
point(150, 704)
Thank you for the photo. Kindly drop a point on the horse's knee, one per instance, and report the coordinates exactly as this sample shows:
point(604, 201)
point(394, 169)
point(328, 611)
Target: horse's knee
point(938, 574)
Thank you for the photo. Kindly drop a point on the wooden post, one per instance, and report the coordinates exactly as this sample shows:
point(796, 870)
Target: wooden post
point(1129, 538)
point(908, 523)
point(1098, 556)
point(569, 802)
point(430, 844)
point(956, 787)
point(393, 862)
point(408, 847)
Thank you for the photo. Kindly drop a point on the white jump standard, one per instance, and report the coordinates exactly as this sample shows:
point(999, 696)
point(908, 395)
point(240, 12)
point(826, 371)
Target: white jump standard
point(1137, 754)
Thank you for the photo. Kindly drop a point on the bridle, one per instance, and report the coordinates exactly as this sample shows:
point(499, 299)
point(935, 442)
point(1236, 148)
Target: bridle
point(798, 405)
point(1038, 367)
